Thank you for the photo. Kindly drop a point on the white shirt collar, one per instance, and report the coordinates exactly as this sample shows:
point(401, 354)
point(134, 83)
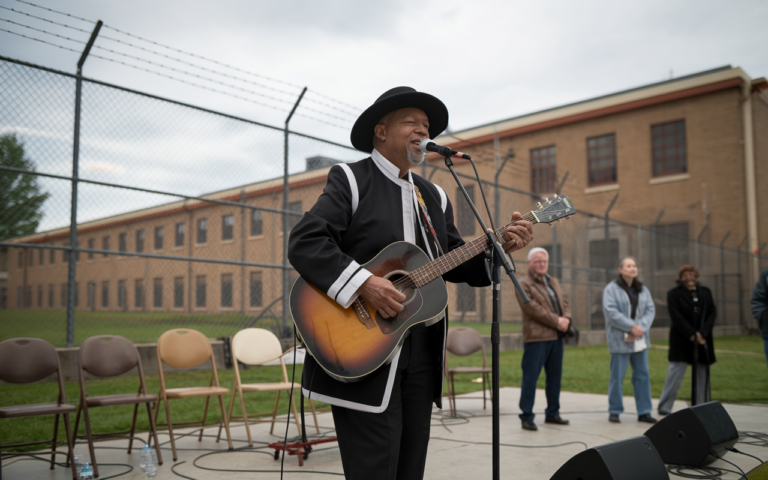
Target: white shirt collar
point(388, 168)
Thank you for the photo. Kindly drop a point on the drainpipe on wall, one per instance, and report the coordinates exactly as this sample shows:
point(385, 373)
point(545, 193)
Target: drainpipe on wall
point(749, 171)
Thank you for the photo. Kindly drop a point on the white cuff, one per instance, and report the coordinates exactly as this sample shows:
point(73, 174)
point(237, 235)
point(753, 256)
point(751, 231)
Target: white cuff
point(349, 293)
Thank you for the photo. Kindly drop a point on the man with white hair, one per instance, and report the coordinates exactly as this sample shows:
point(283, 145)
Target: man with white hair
point(545, 318)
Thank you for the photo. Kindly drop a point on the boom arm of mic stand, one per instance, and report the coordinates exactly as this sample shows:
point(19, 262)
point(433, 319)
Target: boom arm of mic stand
point(492, 241)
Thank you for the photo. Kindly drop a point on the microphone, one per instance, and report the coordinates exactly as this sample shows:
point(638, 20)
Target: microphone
point(427, 145)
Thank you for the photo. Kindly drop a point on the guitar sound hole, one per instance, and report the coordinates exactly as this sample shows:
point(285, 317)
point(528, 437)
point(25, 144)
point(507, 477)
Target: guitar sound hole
point(406, 287)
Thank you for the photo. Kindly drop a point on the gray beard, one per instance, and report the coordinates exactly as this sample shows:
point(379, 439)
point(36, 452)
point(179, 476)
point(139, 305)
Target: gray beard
point(415, 159)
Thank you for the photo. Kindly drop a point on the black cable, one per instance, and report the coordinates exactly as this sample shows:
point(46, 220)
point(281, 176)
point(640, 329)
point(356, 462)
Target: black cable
point(37, 457)
point(747, 454)
point(740, 470)
point(290, 400)
point(511, 444)
point(757, 439)
point(194, 462)
point(702, 473)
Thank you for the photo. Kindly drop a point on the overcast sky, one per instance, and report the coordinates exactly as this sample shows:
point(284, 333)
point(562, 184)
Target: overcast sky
point(487, 60)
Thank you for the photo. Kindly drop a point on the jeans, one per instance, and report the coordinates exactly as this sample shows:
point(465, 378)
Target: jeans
point(536, 355)
point(641, 382)
point(675, 375)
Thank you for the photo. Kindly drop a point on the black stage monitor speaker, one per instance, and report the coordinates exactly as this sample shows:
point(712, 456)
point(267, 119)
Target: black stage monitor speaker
point(695, 436)
point(631, 459)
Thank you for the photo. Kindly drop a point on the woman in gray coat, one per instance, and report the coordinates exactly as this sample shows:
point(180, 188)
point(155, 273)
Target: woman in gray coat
point(629, 312)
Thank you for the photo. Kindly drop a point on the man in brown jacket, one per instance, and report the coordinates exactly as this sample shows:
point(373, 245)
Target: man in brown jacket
point(545, 317)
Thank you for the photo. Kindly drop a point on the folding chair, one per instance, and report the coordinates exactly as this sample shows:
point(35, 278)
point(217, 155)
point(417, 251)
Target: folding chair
point(187, 348)
point(105, 356)
point(464, 341)
point(256, 346)
point(27, 360)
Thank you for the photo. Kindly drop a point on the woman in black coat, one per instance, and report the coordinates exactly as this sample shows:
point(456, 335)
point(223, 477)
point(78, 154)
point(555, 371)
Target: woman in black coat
point(692, 310)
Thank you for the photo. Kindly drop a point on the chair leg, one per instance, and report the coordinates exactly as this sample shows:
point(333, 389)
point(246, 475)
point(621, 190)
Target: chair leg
point(274, 412)
point(484, 377)
point(170, 428)
point(133, 427)
point(87, 419)
point(295, 415)
point(205, 416)
point(55, 436)
point(226, 422)
point(314, 414)
point(71, 446)
point(229, 416)
point(454, 410)
point(153, 433)
point(77, 421)
point(245, 416)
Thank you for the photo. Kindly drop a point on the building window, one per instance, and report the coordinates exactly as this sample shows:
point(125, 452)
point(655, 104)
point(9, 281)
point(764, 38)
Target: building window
point(64, 255)
point(178, 292)
point(139, 240)
point(40, 296)
point(105, 293)
point(226, 290)
point(21, 260)
point(543, 173)
point(138, 290)
point(294, 219)
point(257, 222)
point(179, 237)
point(200, 291)
point(465, 219)
point(121, 294)
point(50, 295)
point(91, 296)
point(227, 227)
point(672, 246)
point(105, 244)
point(31, 258)
point(597, 259)
point(91, 246)
point(41, 257)
point(159, 238)
point(52, 256)
point(465, 298)
point(63, 294)
point(122, 242)
point(202, 230)
point(157, 289)
point(601, 158)
point(256, 289)
point(669, 148)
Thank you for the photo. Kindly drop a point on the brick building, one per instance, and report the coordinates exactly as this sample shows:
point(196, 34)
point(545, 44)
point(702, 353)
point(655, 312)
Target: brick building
point(695, 147)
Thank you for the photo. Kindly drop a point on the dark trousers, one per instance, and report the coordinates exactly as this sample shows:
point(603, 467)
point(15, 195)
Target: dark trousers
point(535, 356)
point(393, 444)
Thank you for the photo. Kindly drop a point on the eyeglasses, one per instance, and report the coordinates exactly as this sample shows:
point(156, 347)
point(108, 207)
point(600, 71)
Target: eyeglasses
point(540, 262)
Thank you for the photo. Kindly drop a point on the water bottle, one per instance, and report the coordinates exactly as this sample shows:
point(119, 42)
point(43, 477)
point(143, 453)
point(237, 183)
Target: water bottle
point(78, 465)
point(86, 471)
point(148, 461)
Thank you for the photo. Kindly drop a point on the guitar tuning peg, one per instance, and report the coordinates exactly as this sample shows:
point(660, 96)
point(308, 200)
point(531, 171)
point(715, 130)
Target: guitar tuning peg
point(546, 199)
point(538, 204)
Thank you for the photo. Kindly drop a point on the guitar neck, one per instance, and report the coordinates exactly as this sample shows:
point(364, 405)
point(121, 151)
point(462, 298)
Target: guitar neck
point(425, 274)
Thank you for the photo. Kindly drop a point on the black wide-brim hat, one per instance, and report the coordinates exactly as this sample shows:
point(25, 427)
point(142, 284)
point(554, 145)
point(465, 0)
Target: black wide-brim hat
point(395, 99)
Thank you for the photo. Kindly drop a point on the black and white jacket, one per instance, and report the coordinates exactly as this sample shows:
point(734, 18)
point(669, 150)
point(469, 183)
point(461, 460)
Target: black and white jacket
point(364, 207)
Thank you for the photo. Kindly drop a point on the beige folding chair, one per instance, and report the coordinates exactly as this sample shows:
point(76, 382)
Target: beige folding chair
point(464, 341)
point(27, 360)
point(104, 356)
point(187, 348)
point(253, 347)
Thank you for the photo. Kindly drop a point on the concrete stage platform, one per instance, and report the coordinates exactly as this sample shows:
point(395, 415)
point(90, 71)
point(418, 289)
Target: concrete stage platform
point(459, 449)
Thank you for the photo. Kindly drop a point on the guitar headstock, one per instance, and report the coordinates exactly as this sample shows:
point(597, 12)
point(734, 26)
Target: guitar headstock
point(553, 210)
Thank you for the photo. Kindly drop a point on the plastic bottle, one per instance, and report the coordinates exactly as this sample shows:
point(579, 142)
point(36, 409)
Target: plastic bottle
point(86, 472)
point(78, 465)
point(148, 461)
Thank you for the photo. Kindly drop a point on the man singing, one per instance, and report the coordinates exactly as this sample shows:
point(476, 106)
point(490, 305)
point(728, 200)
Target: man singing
point(382, 422)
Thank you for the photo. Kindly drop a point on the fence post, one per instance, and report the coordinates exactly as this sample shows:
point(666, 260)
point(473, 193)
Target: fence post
point(72, 267)
point(606, 253)
point(286, 216)
point(654, 241)
point(722, 267)
point(738, 276)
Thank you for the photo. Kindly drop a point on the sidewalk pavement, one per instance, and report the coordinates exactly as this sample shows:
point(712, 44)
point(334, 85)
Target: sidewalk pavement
point(460, 448)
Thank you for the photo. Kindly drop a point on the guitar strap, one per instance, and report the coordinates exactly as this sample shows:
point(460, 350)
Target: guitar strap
point(424, 219)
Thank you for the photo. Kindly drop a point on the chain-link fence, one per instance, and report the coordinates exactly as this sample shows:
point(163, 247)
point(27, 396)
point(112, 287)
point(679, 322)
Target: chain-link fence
point(181, 210)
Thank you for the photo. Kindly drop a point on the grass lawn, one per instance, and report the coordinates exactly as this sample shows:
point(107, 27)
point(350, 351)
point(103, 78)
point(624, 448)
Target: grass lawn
point(735, 378)
point(485, 328)
point(138, 327)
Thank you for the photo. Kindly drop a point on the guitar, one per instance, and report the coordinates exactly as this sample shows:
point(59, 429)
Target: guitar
point(350, 343)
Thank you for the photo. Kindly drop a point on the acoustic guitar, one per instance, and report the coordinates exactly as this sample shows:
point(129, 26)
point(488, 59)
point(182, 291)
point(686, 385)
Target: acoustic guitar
point(350, 343)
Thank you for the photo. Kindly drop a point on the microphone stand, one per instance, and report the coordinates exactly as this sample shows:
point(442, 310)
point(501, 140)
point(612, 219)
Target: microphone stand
point(498, 259)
